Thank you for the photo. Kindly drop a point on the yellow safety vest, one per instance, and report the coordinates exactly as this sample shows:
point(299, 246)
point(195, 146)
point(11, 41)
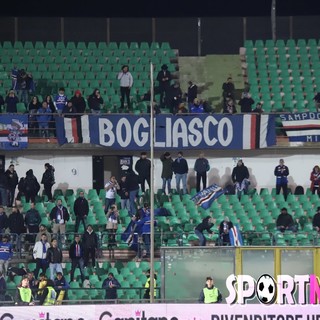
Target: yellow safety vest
point(210, 295)
point(147, 286)
point(50, 298)
point(25, 294)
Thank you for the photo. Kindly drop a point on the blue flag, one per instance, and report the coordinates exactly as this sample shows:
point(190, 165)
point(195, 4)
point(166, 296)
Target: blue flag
point(205, 197)
point(235, 236)
point(130, 236)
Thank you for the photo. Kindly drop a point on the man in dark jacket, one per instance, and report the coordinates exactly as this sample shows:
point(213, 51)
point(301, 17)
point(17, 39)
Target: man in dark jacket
point(32, 219)
point(3, 188)
point(61, 287)
point(228, 89)
point(240, 176)
point(210, 293)
point(285, 221)
point(76, 254)
point(12, 181)
point(90, 245)
point(3, 220)
point(224, 229)
point(81, 210)
point(281, 172)
point(54, 257)
point(316, 220)
point(192, 92)
point(164, 77)
point(95, 102)
point(31, 186)
point(111, 284)
point(16, 222)
point(133, 189)
point(201, 167)
point(180, 168)
point(48, 180)
point(206, 224)
point(167, 171)
point(59, 215)
point(246, 102)
point(143, 168)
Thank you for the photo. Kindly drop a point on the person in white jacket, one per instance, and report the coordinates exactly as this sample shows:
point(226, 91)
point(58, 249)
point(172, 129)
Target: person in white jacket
point(40, 255)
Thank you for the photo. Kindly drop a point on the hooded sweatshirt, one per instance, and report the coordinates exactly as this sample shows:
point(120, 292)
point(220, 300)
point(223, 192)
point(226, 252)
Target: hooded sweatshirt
point(78, 102)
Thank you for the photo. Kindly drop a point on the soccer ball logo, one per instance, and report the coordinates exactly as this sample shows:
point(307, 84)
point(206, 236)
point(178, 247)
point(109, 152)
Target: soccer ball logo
point(266, 289)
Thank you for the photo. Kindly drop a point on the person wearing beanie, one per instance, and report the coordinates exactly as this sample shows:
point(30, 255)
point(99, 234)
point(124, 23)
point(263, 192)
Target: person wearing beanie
point(78, 102)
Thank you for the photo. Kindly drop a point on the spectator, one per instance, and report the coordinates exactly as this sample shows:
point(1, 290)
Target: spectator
point(164, 77)
point(32, 220)
point(90, 246)
point(40, 255)
point(229, 107)
point(16, 221)
point(240, 177)
point(196, 107)
point(34, 106)
point(76, 254)
point(133, 188)
point(31, 186)
point(43, 230)
point(11, 102)
point(210, 293)
point(246, 102)
point(61, 287)
point(201, 167)
point(315, 180)
point(3, 188)
point(126, 82)
point(224, 229)
point(52, 124)
point(69, 110)
point(54, 257)
point(48, 295)
point(180, 168)
point(59, 215)
point(192, 92)
point(12, 181)
point(174, 97)
point(78, 102)
point(285, 221)
point(206, 224)
point(143, 168)
point(228, 89)
point(1, 103)
point(147, 285)
point(111, 284)
point(182, 109)
point(60, 100)
point(95, 102)
point(5, 253)
point(316, 99)
point(24, 295)
point(22, 86)
point(81, 210)
point(111, 190)
point(86, 283)
point(167, 171)
point(281, 172)
point(124, 193)
point(258, 108)
point(144, 223)
point(32, 280)
point(112, 225)
point(20, 189)
point(48, 180)
point(3, 220)
point(14, 77)
point(44, 117)
point(316, 220)
point(3, 287)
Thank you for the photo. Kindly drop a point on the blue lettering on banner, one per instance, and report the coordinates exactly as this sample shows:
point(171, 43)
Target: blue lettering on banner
point(171, 132)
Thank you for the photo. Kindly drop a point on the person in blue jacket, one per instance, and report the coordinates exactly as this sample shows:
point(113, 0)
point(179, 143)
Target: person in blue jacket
point(5, 253)
point(60, 100)
point(43, 117)
point(196, 107)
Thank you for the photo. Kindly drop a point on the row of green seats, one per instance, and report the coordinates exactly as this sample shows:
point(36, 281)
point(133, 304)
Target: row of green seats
point(281, 43)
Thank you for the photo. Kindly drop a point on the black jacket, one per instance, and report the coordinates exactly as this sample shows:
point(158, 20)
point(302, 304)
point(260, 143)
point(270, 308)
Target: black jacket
point(161, 76)
point(205, 225)
point(81, 207)
point(72, 250)
point(54, 255)
point(246, 104)
point(192, 92)
point(285, 219)
point(12, 178)
point(79, 103)
point(32, 218)
point(16, 223)
point(31, 185)
point(90, 240)
point(180, 166)
point(54, 213)
point(316, 220)
point(48, 176)
point(132, 181)
point(239, 173)
point(3, 180)
point(94, 102)
point(143, 167)
point(201, 165)
point(123, 192)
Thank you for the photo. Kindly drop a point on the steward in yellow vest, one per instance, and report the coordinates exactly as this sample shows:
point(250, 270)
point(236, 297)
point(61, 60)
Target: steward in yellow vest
point(49, 295)
point(147, 286)
point(210, 293)
point(24, 294)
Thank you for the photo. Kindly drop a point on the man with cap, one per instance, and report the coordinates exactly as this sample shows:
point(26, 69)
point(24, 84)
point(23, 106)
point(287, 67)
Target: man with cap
point(164, 77)
point(210, 293)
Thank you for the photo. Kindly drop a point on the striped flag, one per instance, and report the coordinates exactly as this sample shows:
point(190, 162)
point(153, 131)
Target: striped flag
point(258, 131)
point(235, 236)
point(73, 130)
point(302, 127)
point(205, 197)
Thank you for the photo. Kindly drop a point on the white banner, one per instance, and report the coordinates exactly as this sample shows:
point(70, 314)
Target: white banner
point(162, 312)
